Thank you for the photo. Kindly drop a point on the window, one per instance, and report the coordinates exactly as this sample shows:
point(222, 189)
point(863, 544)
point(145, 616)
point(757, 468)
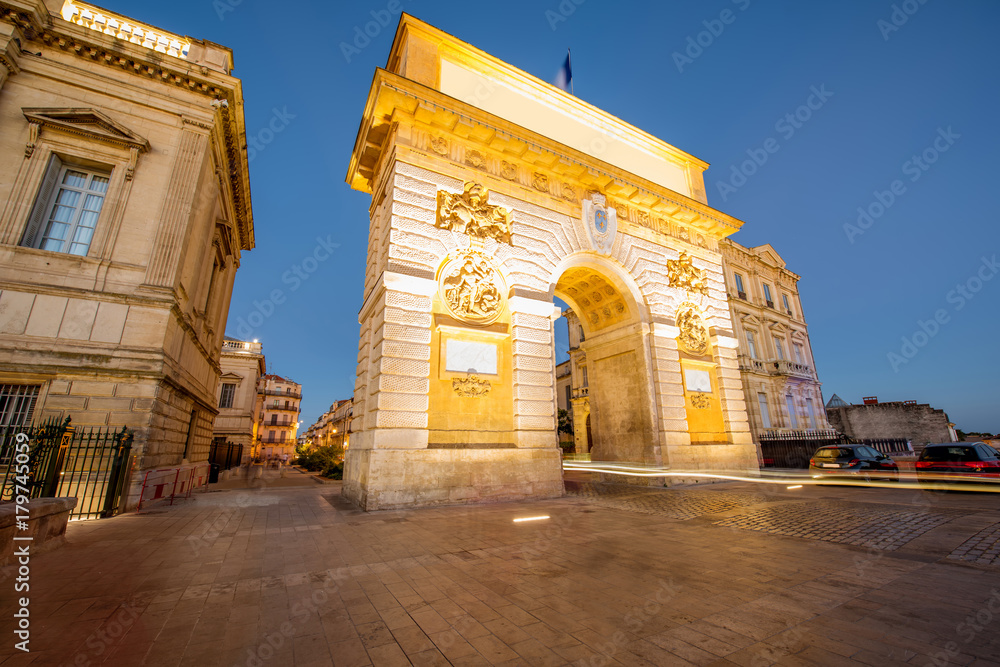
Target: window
point(779, 348)
point(228, 392)
point(270, 436)
point(282, 436)
point(286, 404)
point(585, 377)
point(767, 296)
point(784, 300)
point(765, 418)
point(569, 397)
point(66, 210)
point(752, 344)
point(739, 286)
point(274, 420)
point(790, 404)
point(812, 413)
point(581, 335)
point(799, 357)
point(17, 404)
point(275, 404)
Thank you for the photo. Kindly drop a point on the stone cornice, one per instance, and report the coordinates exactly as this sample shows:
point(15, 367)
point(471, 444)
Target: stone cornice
point(492, 144)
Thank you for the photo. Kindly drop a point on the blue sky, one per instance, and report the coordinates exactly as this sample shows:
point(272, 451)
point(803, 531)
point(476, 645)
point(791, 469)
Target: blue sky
point(902, 305)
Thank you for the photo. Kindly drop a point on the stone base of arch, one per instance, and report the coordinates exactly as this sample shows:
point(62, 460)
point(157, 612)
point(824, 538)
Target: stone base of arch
point(385, 479)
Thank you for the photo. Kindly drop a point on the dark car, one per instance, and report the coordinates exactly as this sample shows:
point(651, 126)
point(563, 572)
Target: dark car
point(858, 461)
point(958, 461)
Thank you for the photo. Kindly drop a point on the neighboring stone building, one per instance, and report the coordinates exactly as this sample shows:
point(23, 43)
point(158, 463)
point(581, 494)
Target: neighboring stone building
point(917, 422)
point(240, 400)
point(124, 211)
point(280, 423)
point(782, 389)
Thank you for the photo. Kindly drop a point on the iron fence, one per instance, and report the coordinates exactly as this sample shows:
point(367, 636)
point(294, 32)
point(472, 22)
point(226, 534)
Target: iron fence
point(91, 465)
point(225, 455)
point(793, 449)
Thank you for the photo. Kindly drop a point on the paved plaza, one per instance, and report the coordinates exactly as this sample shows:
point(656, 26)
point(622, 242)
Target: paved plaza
point(721, 574)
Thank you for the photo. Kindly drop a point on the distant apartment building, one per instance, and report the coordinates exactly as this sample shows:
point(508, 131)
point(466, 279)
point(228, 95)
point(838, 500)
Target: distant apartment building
point(333, 427)
point(873, 420)
point(280, 416)
point(124, 212)
point(239, 399)
point(780, 384)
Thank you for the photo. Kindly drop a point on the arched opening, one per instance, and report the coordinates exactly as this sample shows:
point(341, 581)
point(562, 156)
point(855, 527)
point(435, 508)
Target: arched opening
point(611, 376)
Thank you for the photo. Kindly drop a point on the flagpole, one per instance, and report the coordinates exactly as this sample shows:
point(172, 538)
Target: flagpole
point(569, 59)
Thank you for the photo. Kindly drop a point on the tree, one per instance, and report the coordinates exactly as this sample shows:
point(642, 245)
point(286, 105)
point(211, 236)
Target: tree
point(565, 423)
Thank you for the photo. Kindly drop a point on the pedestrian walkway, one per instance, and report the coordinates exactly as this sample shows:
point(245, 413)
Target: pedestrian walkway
point(709, 575)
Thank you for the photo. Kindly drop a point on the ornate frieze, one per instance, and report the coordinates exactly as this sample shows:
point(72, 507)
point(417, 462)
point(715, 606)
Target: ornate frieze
point(439, 145)
point(471, 386)
point(474, 158)
point(682, 273)
point(468, 213)
point(693, 338)
point(472, 288)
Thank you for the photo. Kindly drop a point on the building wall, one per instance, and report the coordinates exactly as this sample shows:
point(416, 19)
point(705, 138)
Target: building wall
point(129, 333)
point(918, 423)
point(777, 373)
point(242, 364)
point(279, 438)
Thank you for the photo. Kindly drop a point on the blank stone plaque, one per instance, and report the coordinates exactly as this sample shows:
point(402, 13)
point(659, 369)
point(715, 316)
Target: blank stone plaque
point(463, 356)
point(698, 381)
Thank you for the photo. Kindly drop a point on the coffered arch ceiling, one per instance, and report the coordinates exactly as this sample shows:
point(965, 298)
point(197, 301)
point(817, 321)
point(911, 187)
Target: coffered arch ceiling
point(597, 301)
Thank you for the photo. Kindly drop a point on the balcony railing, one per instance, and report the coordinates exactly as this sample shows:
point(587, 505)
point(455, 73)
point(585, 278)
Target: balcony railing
point(275, 392)
point(581, 392)
point(786, 367)
point(751, 364)
point(241, 346)
point(273, 408)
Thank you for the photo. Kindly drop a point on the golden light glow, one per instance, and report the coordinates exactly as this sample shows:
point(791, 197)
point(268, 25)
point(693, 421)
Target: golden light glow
point(530, 518)
point(795, 486)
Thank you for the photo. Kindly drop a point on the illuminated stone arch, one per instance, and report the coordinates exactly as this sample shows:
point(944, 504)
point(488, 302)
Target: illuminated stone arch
point(481, 214)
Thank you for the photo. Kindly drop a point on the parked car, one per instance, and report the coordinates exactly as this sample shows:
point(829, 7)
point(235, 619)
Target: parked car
point(958, 461)
point(854, 461)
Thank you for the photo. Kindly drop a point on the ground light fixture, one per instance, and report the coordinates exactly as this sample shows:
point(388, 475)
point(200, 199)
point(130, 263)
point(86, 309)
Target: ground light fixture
point(530, 518)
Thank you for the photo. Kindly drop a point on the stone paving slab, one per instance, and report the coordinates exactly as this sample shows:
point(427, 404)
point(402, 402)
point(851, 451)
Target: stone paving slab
point(297, 576)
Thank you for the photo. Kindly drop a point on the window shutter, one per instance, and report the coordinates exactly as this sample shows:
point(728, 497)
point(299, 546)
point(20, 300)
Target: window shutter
point(43, 204)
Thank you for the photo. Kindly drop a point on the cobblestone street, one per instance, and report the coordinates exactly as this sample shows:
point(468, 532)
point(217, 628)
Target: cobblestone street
point(725, 574)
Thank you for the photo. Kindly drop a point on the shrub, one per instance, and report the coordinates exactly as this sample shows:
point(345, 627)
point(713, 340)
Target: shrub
point(321, 458)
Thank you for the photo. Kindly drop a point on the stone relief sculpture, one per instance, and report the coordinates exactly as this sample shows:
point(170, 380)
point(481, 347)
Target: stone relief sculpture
point(471, 387)
point(700, 401)
point(683, 274)
point(693, 338)
point(468, 213)
point(472, 288)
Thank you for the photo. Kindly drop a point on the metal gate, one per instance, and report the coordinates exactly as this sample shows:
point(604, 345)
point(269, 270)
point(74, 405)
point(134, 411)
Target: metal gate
point(91, 465)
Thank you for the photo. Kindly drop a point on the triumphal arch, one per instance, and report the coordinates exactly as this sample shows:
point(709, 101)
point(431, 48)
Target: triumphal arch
point(492, 193)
